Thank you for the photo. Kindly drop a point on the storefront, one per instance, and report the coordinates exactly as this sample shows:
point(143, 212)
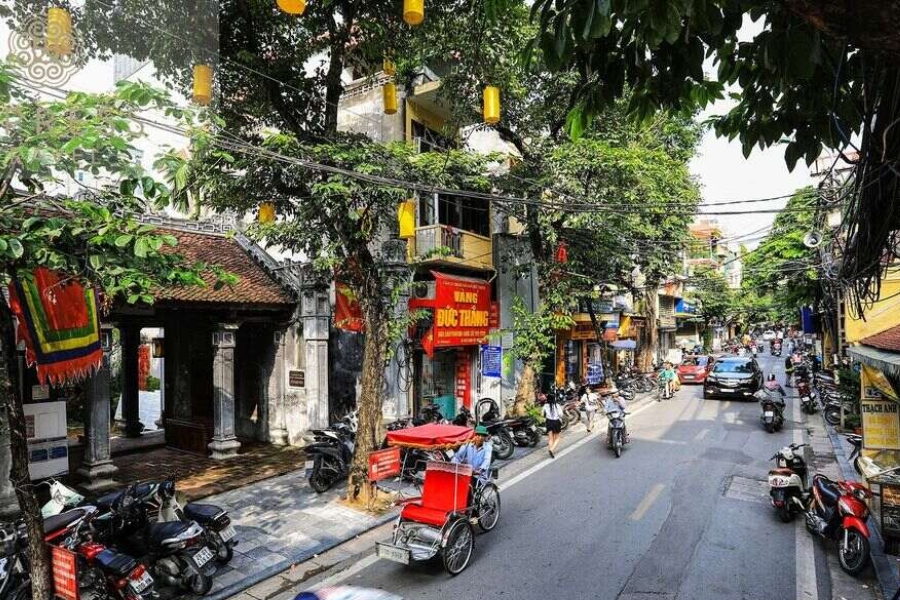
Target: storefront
point(580, 357)
point(454, 362)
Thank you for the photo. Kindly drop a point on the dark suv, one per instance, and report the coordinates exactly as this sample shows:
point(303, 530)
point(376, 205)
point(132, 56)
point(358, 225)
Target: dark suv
point(733, 377)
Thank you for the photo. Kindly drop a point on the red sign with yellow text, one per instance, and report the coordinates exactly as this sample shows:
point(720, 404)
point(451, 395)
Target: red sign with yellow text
point(462, 311)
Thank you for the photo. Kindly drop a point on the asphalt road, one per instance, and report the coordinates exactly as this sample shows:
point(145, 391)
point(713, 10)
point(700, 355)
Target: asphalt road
point(683, 514)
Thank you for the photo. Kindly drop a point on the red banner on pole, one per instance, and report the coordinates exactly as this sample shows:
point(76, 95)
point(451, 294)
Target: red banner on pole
point(65, 573)
point(384, 463)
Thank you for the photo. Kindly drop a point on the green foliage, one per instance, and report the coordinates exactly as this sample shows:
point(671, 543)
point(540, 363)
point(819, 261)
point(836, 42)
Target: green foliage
point(152, 383)
point(94, 238)
point(782, 266)
point(654, 51)
point(535, 331)
point(715, 298)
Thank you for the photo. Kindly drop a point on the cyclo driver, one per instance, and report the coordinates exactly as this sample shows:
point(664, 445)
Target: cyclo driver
point(477, 454)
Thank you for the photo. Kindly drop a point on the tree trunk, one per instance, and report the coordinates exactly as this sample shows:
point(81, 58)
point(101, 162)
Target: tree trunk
point(648, 344)
point(526, 390)
point(368, 435)
point(39, 557)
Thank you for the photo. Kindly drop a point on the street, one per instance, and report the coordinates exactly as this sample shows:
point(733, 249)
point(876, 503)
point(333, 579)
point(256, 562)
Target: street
point(683, 514)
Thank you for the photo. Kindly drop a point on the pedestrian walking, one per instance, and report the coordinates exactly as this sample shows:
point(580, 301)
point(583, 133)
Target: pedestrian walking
point(553, 419)
point(590, 399)
point(788, 369)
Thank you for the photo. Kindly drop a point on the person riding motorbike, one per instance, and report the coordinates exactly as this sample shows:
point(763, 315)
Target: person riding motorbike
point(667, 377)
point(477, 453)
point(613, 401)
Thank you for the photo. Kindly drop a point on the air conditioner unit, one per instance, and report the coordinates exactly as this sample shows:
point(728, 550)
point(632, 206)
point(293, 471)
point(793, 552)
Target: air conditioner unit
point(425, 290)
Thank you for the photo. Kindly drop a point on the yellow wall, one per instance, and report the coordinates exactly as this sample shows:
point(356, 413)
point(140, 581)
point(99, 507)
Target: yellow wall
point(884, 314)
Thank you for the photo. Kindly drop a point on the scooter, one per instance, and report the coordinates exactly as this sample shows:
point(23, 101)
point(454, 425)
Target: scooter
point(807, 400)
point(772, 416)
point(856, 441)
point(501, 439)
point(328, 458)
point(776, 348)
point(789, 482)
point(615, 432)
point(838, 511)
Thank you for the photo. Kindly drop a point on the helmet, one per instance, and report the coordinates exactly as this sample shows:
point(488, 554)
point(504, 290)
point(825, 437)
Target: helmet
point(771, 376)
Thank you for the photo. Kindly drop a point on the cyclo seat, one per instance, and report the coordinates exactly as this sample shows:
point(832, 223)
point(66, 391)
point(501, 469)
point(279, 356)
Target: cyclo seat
point(446, 490)
point(827, 489)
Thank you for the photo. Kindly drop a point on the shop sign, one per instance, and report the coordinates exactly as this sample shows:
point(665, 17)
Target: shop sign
point(890, 509)
point(65, 573)
point(462, 308)
point(491, 361)
point(463, 378)
point(880, 411)
point(594, 373)
point(383, 464)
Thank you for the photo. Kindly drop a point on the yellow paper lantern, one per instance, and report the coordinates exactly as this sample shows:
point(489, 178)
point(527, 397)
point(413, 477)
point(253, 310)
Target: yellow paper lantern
point(389, 91)
point(203, 82)
point(389, 67)
point(406, 216)
point(266, 213)
point(59, 31)
point(292, 7)
point(491, 105)
point(413, 12)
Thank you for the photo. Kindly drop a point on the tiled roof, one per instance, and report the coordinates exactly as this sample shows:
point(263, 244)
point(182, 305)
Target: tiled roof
point(886, 340)
point(255, 285)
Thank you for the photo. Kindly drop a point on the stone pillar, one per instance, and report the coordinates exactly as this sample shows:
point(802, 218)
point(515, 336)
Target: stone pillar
point(97, 467)
point(224, 443)
point(398, 373)
point(131, 398)
point(161, 421)
point(315, 312)
point(278, 433)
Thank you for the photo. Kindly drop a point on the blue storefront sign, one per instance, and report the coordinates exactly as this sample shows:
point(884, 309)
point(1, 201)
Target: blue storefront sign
point(594, 373)
point(491, 361)
point(685, 307)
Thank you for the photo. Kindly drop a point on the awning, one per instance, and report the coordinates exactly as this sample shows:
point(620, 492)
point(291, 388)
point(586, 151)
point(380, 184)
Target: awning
point(624, 345)
point(889, 362)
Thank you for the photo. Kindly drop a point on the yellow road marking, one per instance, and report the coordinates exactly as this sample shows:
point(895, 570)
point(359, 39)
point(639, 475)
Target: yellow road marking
point(647, 502)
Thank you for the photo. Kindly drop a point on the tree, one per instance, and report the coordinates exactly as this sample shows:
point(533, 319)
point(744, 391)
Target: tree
point(782, 266)
point(94, 239)
point(714, 298)
point(811, 74)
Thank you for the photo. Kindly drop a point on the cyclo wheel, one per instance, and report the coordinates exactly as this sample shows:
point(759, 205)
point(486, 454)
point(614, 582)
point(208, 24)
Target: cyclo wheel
point(458, 546)
point(487, 507)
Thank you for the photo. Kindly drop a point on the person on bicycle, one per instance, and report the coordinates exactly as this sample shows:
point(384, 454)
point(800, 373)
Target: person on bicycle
point(477, 453)
point(667, 379)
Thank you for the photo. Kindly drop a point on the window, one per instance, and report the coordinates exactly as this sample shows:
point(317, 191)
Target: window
point(430, 140)
point(299, 348)
point(734, 367)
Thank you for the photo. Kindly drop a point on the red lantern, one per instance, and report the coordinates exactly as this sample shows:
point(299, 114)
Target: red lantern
point(562, 253)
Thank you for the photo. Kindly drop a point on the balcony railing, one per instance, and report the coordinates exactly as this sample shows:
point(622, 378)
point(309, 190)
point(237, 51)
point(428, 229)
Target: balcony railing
point(449, 245)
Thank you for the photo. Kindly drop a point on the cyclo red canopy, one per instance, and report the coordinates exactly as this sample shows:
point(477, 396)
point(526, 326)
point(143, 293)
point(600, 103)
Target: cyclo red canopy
point(432, 435)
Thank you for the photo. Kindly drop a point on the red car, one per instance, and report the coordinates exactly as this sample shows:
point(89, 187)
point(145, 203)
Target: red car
point(694, 369)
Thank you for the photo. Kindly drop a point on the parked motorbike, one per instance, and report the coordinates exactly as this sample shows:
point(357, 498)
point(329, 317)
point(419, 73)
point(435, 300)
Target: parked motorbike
point(838, 511)
point(501, 439)
point(105, 573)
point(177, 552)
point(789, 482)
point(15, 579)
point(615, 431)
point(772, 416)
point(856, 441)
point(328, 457)
point(431, 413)
point(807, 400)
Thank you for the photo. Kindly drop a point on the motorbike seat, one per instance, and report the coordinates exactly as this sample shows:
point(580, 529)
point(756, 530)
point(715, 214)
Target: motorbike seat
point(157, 533)
point(115, 563)
point(202, 513)
point(828, 490)
point(140, 491)
point(62, 520)
point(781, 471)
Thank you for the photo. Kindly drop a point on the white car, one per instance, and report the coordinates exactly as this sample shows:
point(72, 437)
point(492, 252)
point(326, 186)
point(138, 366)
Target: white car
point(769, 335)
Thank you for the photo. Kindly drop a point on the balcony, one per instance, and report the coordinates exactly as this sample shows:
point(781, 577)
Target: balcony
point(445, 245)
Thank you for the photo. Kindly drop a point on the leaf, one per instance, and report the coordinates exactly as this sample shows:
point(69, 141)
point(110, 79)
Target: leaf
point(16, 250)
point(140, 248)
point(124, 240)
point(181, 176)
point(96, 261)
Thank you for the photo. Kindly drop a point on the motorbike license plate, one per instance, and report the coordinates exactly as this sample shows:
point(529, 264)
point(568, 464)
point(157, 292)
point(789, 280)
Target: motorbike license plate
point(309, 467)
point(769, 413)
point(393, 553)
point(204, 556)
point(227, 533)
point(141, 584)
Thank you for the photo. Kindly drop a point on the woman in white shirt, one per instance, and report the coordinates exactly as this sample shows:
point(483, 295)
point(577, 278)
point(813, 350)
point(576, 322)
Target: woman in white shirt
point(553, 419)
point(590, 399)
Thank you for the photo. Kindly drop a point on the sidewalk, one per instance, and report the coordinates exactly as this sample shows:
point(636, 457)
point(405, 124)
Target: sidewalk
point(830, 451)
point(284, 528)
